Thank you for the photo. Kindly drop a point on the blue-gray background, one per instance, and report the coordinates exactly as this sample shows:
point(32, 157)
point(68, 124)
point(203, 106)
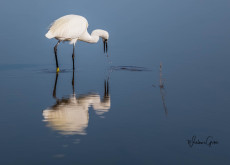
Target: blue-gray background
point(189, 37)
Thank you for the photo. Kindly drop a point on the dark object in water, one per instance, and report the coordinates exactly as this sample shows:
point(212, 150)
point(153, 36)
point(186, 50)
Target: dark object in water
point(129, 68)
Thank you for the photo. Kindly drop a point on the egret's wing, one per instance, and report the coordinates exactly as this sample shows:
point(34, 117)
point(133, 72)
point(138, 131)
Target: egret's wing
point(69, 27)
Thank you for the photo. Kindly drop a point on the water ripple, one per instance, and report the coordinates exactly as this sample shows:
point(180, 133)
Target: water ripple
point(129, 68)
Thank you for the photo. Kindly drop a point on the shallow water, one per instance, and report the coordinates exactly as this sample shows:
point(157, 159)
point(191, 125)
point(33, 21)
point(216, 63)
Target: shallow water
point(164, 84)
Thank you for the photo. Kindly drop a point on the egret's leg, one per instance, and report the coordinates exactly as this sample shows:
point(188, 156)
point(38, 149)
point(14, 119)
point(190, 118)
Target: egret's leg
point(73, 56)
point(55, 52)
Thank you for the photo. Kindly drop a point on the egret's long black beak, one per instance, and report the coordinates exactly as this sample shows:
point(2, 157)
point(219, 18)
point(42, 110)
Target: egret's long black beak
point(105, 42)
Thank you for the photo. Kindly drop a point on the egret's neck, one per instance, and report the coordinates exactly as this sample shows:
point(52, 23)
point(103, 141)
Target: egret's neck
point(94, 37)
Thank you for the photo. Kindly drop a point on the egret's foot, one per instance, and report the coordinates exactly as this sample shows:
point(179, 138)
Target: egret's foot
point(58, 70)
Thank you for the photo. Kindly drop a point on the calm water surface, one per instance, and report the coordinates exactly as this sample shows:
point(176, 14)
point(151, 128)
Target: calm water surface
point(166, 80)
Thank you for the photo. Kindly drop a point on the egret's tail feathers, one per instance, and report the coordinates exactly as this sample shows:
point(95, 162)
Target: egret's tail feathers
point(49, 35)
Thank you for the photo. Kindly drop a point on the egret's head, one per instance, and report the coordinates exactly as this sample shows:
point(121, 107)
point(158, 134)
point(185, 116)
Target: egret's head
point(101, 33)
point(105, 43)
point(105, 38)
point(104, 35)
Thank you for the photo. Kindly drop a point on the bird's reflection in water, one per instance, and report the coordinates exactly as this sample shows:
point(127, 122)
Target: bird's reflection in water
point(70, 115)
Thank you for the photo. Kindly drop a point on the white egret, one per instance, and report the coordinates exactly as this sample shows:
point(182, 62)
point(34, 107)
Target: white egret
point(72, 28)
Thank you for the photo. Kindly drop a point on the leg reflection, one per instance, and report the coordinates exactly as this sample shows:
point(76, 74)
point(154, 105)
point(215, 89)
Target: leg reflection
point(73, 83)
point(55, 86)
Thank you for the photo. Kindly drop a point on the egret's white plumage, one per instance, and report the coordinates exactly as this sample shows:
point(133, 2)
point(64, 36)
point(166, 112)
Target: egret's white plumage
point(68, 27)
point(72, 28)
